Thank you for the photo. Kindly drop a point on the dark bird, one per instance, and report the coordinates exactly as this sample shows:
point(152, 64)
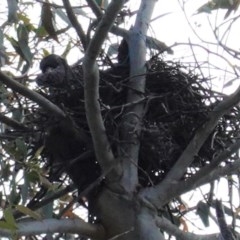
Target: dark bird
point(70, 150)
point(67, 142)
point(64, 82)
point(57, 73)
point(51, 61)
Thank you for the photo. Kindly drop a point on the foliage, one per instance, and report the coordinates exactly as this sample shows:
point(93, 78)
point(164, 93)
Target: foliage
point(218, 4)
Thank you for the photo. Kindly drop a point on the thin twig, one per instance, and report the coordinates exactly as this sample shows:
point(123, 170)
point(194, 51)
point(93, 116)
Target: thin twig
point(12, 123)
point(34, 96)
point(76, 25)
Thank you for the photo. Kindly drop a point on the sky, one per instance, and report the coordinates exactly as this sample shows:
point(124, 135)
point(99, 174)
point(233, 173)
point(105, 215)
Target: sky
point(179, 27)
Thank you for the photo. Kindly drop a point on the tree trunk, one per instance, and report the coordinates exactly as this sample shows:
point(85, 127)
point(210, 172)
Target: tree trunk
point(124, 217)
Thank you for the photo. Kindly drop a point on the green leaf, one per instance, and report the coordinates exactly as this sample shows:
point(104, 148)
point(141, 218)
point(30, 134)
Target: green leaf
point(22, 48)
point(21, 147)
point(230, 5)
point(24, 18)
point(45, 182)
point(38, 152)
point(9, 147)
point(67, 50)
point(32, 176)
point(206, 8)
point(62, 15)
point(17, 149)
point(203, 211)
point(8, 215)
point(41, 32)
point(23, 33)
point(45, 52)
point(14, 43)
point(224, 4)
point(79, 11)
point(27, 211)
point(6, 225)
point(47, 19)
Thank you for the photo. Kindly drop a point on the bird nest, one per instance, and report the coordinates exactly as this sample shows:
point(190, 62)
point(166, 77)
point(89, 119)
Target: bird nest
point(176, 105)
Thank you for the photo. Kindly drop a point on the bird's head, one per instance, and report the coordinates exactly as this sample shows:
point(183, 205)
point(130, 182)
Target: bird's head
point(54, 71)
point(51, 62)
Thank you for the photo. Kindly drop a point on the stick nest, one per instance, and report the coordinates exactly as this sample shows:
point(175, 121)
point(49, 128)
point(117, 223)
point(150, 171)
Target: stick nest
point(176, 103)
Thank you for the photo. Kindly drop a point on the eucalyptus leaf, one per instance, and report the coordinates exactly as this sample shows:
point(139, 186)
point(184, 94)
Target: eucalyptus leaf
point(203, 211)
point(25, 190)
point(8, 216)
point(23, 33)
point(62, 15)
point(27, 211)
point(6, 225)
point(47, 19)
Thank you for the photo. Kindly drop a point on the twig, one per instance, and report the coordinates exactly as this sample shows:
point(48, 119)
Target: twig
point(34, 96)
point(95, 8)
point(151, 42)
point(207, 174)
point(76, 226)
point(12, 123)
point(75, 23)
point(224, 229)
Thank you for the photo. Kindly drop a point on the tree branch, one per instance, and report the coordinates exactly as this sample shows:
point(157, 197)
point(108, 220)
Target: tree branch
point(13, 123)
point(157, 198)
point(35, 204)
point(95, 8)
point(202, 176)
point(225, 230)
point(91, 88)
point(230, 169)
point(209, 169)
point(172, 229)
point(131, 126)
point(34, 96)
point(74, 226)
point(152, 43)
point(201, 135)
point(75, 23)
point(205, 175)
point(178, 170)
